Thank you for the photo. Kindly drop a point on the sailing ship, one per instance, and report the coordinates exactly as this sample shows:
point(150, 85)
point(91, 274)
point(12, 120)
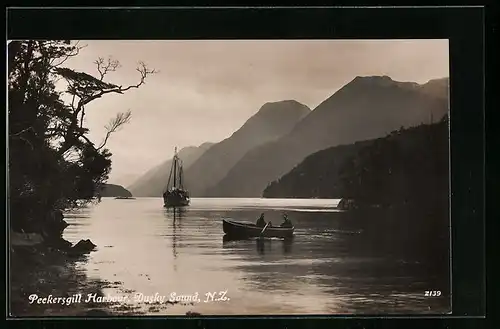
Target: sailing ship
point(175, 195)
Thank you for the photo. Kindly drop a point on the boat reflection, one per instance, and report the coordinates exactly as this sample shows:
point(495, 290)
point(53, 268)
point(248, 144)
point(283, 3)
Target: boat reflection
point(287, 246)
point(263, 246)
point(266, 245)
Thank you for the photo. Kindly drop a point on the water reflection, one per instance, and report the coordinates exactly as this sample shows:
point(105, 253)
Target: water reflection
point(267, 245)
point(287, 246)
point(337, 262)
point(263, 246)
point(175, 216)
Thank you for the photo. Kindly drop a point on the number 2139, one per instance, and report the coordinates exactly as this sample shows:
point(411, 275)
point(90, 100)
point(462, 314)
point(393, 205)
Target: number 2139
point(432, 293)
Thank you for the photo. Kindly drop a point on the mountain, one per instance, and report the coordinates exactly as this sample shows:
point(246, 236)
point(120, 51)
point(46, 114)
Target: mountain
point(153, 182)
point(316, 176)
point(126, 179)
point(409, 166)
point(437, 87)
point(272, 121)
point(365, 108)
point(399, 165)
point(113, 190)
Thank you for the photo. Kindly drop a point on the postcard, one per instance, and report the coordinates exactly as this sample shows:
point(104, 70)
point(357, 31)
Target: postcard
point(229, 177)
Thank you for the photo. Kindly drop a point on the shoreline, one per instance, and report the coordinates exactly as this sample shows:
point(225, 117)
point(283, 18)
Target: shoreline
point(57, 279)
point(45, 272)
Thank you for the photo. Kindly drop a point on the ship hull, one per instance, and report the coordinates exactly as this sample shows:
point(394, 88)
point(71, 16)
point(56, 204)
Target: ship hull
point(176, 199)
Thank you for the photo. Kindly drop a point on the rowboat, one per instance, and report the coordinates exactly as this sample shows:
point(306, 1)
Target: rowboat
point(239, 229)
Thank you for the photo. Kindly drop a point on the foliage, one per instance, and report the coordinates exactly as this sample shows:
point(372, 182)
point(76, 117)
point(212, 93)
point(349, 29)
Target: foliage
point(410, 166)
point(52, 163)
point(407, 166)
point(113, 190)
point(316, 176)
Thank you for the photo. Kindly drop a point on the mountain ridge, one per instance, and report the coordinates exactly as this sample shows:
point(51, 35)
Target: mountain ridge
point(271, 121)
point(365, 108)
point(320, 174)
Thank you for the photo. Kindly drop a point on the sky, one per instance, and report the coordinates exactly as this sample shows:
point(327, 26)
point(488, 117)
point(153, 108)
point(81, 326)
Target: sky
point(206, 89)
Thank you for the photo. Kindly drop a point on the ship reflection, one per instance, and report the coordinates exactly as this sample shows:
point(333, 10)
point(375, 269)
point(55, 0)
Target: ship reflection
point(174, 212)
point(175, 215)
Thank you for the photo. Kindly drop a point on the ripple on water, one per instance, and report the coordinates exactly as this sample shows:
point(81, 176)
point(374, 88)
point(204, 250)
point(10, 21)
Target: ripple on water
point(323, 269)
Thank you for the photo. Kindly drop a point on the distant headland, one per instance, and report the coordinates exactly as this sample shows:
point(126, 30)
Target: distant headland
point(113, 190)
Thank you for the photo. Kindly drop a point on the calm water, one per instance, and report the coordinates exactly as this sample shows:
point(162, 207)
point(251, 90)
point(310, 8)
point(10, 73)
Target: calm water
point(326, 269)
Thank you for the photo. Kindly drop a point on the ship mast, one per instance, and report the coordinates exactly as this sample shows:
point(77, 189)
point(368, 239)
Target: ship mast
point(180, 175)
point(175, 168)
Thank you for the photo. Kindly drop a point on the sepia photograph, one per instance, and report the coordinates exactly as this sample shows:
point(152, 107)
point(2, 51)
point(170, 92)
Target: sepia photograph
point(228, 177)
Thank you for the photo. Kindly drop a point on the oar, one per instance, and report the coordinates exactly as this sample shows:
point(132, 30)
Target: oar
point(260, 235)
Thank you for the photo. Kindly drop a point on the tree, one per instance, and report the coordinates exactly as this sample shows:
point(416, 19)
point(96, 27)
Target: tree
point(53, 164)
point(410, 167)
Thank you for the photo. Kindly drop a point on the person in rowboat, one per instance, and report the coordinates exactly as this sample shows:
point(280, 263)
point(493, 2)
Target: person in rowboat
point(261, 222)
point(286, 221)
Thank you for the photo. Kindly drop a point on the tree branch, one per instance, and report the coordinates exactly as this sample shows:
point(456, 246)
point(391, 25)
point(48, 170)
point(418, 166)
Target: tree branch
point(67, 56)
point(73, 102)
point(143, 70)
point(82, 116)
point(115, 124)
point(104, 67)
point(88, 141)
point(20, 132)
point(27, 141)
point(88, 88)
